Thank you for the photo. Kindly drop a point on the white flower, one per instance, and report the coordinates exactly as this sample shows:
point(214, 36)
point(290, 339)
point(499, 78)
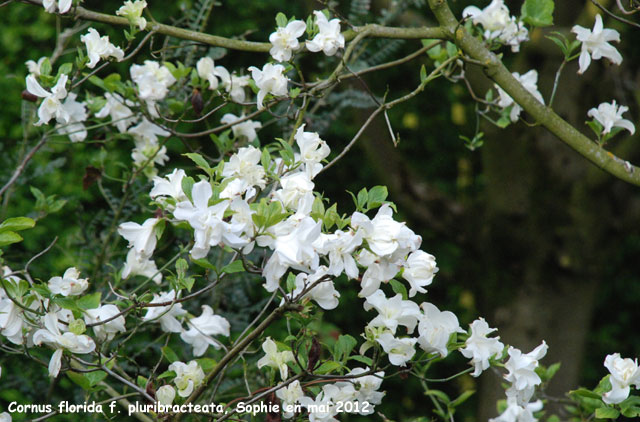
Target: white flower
point(165, 395)
point(494, 17)
point(51, 335)
point(51, 104)
point(133, 12)
point(202, 327)
point(392, 311)
point(62, 6)
point(77, 113)
point(142, 238)
point(285, 40)
point(5, 417)
point(368, 386)
point(206, 70)
point(516, 413)
point(385, 235)
point(275, 359)
point(118, 109)
point(329, 39)
point(522, 374)
point(166, 315)
point(152, 79)
point(498, 24)
point(233, 83)
point(435, 329)
point(321, 409)
point(530, 82)
point(147, 131)
point(245, 167)
point(312, 150)
point(270, 80)
point(481, 348)
point(34, 67)
point(624, 373)
point(378, 270)
point(207, 221)
point(140, 265)
point(188, 376)
point(147, 154)
point(70, 284)
point(246, 129)
point(399, 350)
point(295, 187)
point(292, 248)
point(340, 247)
point(609, 115)
point(11, 318)
point(100, 48)
point(109, 329)
point(419, 270)
point(324, 292)
point(595, 44)
point(289, 396)
point(170, 185)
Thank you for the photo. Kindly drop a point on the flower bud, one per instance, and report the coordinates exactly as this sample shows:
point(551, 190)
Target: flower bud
point(165, 395)
point(77, 327)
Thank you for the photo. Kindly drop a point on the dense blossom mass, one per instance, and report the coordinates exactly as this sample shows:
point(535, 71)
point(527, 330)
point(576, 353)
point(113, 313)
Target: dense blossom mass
point(254, 203)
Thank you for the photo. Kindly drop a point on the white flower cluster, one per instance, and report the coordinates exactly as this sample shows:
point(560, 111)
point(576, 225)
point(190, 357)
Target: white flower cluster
point(624, 374)
point(228, 212)
point(165, 309)
point(284, 41)
point(57, 327)
point(523, 379)
point(530, 82)
point(498, 24)
point(357, 394)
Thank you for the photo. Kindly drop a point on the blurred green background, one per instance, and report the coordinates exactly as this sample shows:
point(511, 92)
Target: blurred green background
point(525, 231)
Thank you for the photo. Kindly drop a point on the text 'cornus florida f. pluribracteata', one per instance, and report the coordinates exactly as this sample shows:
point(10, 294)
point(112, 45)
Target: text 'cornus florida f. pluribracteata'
point(268, 210)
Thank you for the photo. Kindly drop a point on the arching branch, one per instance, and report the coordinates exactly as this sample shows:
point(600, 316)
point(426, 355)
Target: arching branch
point(497, 71)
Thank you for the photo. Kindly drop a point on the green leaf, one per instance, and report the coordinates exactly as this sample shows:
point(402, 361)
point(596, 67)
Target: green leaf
point(66, 303)
point(362, 359)
point(95, 377)
point(281, 20)
point(583, 392)
point(200, 162)
point(91, 301)
point(204, 264)
point(45, 67)
point(344, 346)
point(234, 267)
point(377, 196)
point(7, 238)
point(79, 379)
point(607, 413)
point(423, 74)
point(551, 371)
point(168, 353)
point(187, 186)
point(206, 364)
point(400, 288)
point(167, 374)
point(66, 68)
point(142, 381)
point(327, 367)
point(462, 398)
point(537, 12)
point(291, 282)
point(440, 395)
point(363, 197)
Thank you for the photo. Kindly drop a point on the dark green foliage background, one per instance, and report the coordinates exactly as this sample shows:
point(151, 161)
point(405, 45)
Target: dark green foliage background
point(445, 192)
